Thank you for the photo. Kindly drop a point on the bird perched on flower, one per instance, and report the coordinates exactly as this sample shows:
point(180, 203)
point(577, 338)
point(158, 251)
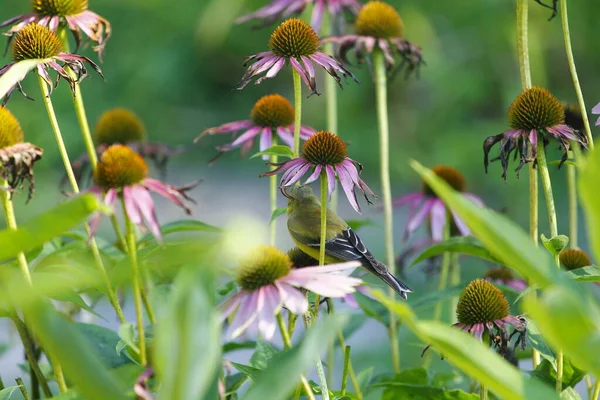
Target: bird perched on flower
point(341, 244)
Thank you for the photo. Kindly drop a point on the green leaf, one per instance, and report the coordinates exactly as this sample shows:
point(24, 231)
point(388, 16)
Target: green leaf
point(372, 308)
point(422, 392)
point(127, 335)
point(559, 162)
point(547, 373)
point(68, 346)
point(589, 192)
point(75, 298)
point(524, 293)
point(283, 372)
point(234, 346)
point(104, 341)
point(435, 297)
point(555, 244)
point(569, 394)
point(251, 372)
point(15, 74)
point(356, 224)
point(461, 244)
point(471, 356)
point(50, 224)
point(233, 383)
point(277, 150)
point(7, 392)
point(277, 213)
point(264, 352)
point(186, 350)
point(502, 237)
point(585, 274)
point(536, 340)
point(188, 225)
point(569, 320)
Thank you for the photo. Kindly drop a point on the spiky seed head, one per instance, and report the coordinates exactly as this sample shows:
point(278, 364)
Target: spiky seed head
point(500, 274)
point(324, 148)
point(300, 259)
point(380, 20)
point(450, 175)
point(262, 266)
point(10, 129)
point(294, 38)
point(59, 8)
point(119, 166)
point(35, 41)
point(481, 302)
point(573, 116)
point(535, 108)
point(119, 125)
point(574, 258)
point(272, 110)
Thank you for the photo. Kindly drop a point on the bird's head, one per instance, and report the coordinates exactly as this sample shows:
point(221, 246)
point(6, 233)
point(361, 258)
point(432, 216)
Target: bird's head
point(300, 196)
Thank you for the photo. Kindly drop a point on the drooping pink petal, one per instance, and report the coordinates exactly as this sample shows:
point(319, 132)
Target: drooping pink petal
point(285, 135)
point(146, 206)
point(437, 219)
point(130, 206)
point(419, 217)
point(248, 135)
point(164, 190)
point(305, 131)
point(477, 331)
point(266, 317)
point(247, 313)
point(596, 109)
point(297, 175)
point(410, 198)
point(266, 141)
point(461, 225)
point(315, 175)
point(330, 180)
point(231, 304)
point(293, 299)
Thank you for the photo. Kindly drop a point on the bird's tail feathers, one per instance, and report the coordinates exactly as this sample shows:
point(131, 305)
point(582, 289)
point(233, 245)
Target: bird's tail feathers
point(399, 287)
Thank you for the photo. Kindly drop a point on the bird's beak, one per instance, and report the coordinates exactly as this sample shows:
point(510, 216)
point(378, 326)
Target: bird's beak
point(283, 192)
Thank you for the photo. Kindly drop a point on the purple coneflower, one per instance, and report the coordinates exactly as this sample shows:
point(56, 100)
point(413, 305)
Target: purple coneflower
point(535, 114)
point(271, 115)
point(379, 27)
point(36, 42)
point(122, 126)
point(293, 41)
point(327, 153)
point(596, 110)
point(426, 204)
point(268, 282)
point(75, 13)
point(504, 276)
point(279, 9)
point(16, 157)
point(122, 173)
point(482, 308)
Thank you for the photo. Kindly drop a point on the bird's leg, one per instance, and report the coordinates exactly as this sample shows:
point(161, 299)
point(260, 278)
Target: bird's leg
point(553, 7)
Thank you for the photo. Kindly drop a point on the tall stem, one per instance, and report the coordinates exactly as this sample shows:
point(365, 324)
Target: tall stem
point(483, 392)
point(525, 73)
point(571, 60)
point(384, 156)
point(320, 371)
point(572, 189)
point(136, 279)
point(112, 297)
point(297, 111)
point(454, 282)
point(331, 98)
point(287, 342)
point(596, 391)
point(547, 186)
point(443, 283)
point(273, 197)
point(59, 375)
point(323, 233)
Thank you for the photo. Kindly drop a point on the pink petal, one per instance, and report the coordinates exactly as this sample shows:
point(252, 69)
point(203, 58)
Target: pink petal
point(293, 299)
point(146, 206)
point(417, 220)
point(130, 206)
point(438, 219)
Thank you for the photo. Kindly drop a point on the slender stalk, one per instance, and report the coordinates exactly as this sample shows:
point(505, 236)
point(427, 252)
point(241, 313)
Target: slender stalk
point(323, 233)
point(287, 342)
point(320, 371)
point(22, 388)
point(347, 350)
point(59, 375)
point(525, 73)
point(297, 111)
point(112, 297)
point(454, 281)
point(445, 272)
point(136, 286)
point(589, 386)
point(483, 392)
point(572, 190)
point(29, 348)
point(273, 196)
point(571, 60)
point(596, 391)
point(148, 307)
point(11, 223)
point(351, 373)
point(384, 156)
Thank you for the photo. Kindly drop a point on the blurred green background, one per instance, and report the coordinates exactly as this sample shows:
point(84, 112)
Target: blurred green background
point(176, 64)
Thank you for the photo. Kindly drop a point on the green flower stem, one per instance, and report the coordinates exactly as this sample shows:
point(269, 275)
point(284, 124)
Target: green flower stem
point(596, 391)
point(445, 272)
point(59, 375)
point(287, 342)
point(351, 373)
point(571, 60)
point(29, 348)
point(11, 223)
point(483, 392)
point(297, 111)
point(347, 350)
point(547, 186)
point(572, 191)
point(273, 196)
point(136, 280)
point(320, 371)
point(384, 156)
point(148, 306)
point(525, 73)
point(454, 281)
point(331, 98)
point(112, 297)
point(22, 388)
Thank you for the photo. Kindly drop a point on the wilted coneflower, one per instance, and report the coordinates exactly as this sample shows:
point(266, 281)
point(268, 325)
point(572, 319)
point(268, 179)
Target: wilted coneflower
point(482, 309)
point(573, 116)
point(73, 13)
point(122, 173)
point(122, 126)
point(36, 42)
point(574, 258)
point(425, 204)
point(16, 157)
point(279, 9)
point(326, 152)
point(268, 282)
point(379, 27)
point(534, 115)
point(293, 41)
point(271, 115)
point(504, 276)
